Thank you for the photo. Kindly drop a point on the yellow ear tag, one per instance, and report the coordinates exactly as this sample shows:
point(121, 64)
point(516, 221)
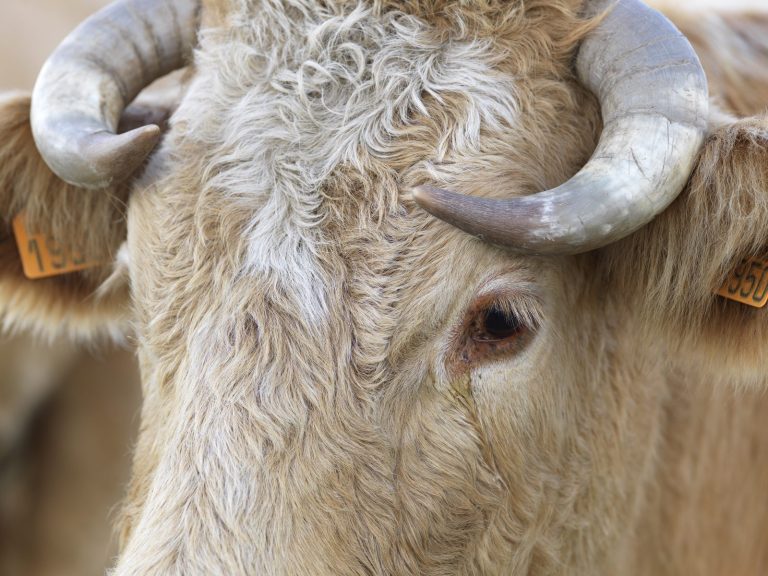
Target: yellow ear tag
point(41, 257)
point(748, 283)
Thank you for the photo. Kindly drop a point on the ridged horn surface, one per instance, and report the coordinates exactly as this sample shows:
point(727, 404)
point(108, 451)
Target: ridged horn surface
point(94, 74)
point(654, 102)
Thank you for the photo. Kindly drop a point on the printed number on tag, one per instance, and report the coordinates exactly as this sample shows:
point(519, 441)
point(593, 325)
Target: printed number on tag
point(748, 283)
point(43, 258)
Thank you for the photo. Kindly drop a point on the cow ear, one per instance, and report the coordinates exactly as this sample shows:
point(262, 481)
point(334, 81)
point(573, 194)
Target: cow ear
point(672, 270)
point(75, 225)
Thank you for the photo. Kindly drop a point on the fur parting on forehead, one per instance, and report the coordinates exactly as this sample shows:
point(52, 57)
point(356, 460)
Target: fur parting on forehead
point(285, 99)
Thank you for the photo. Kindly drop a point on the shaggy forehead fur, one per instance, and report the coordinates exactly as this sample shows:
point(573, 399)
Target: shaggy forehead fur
point(315, 116)
point(280, 272)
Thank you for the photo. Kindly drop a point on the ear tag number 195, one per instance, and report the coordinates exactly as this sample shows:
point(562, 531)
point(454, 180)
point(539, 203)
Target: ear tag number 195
point(43, 258)
point(748, 283)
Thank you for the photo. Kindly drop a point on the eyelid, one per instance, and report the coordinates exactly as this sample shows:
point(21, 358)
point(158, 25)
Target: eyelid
point(508, 284)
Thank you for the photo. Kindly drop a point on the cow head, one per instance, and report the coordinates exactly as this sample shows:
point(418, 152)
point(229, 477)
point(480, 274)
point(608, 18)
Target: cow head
point(335, 382)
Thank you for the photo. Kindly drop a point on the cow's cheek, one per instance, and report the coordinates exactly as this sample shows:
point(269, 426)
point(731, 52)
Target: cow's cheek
point(571, 426)
point(146, 254)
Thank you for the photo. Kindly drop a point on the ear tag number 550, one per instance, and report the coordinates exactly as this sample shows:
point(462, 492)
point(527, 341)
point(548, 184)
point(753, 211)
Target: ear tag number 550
point(748, 283)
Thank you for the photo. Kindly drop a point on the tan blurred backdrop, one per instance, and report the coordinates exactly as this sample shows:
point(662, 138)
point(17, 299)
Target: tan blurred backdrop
point(30, 29)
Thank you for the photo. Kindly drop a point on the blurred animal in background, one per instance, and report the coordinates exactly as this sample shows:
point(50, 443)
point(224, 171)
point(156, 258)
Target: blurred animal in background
point(68, 420)
point(337, 382)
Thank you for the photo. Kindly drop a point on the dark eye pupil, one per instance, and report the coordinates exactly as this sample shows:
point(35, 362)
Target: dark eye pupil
point(500, 325)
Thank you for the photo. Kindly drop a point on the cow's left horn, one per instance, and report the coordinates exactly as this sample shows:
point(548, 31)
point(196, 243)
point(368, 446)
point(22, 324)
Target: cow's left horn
point(654, 101)
point(94, 74)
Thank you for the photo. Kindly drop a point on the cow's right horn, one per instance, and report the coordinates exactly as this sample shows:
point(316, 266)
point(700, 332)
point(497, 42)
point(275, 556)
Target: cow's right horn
point(94, 74)
point(654, 100)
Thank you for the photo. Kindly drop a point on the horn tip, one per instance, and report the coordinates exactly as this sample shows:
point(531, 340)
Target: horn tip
point(134, 149)
point(146, 136)
point(115, 157)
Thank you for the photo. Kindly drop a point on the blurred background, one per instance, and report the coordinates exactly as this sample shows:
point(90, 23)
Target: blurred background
point(30, 29)
point(68, 416)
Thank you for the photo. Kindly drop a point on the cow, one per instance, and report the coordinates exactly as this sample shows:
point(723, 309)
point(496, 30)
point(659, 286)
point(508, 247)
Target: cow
point(335, 381)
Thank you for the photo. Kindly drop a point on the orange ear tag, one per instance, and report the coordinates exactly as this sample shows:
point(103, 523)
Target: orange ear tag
point(43, 258)
point(748, 283)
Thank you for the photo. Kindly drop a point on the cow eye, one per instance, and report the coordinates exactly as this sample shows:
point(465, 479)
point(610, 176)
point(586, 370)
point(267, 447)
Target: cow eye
point(492, 329)
point(497, 325)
